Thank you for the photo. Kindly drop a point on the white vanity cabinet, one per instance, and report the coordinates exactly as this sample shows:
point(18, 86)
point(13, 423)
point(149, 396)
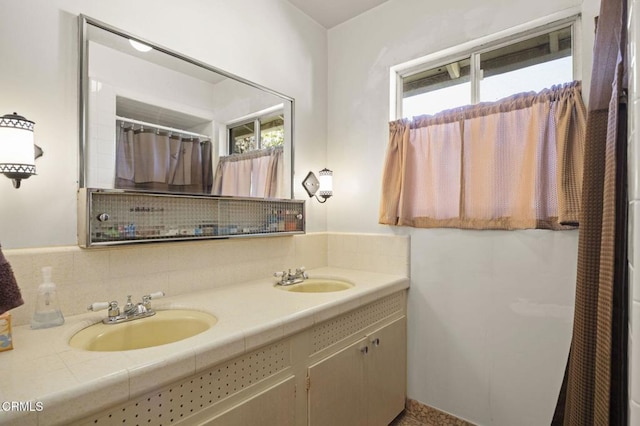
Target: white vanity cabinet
point(362, 384)
point(349, 369)
point(273, 406)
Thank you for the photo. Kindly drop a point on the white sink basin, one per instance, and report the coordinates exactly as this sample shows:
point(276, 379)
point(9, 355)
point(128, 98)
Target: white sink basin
point(164, 327)
point(317, 285)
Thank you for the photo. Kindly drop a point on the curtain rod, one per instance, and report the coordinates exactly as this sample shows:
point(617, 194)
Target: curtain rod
point(159, 127)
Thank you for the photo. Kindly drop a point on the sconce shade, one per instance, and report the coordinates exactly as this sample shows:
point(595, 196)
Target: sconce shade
point(326, 183)
point(17, 150)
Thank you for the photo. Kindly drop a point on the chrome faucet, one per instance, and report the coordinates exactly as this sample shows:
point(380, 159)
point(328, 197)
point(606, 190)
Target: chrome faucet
point(289, 278)
point(130, 312)
point(129, 308)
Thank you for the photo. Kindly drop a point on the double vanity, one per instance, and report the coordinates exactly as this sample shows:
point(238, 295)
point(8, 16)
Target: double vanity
point(170, 325)
point(328, 350)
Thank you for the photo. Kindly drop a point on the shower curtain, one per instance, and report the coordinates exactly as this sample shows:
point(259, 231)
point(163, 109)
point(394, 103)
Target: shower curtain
point(595, 385)
point(252, 174)
point(151, 160)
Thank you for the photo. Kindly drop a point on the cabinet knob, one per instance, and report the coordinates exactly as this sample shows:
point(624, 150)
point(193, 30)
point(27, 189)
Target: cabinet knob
point(364, 349)
point(375, 341)
point(103, 217)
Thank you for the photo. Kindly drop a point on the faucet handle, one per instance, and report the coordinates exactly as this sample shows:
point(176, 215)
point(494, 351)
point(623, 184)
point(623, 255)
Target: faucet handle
point(279, 274)
point(156, 295)
point(98, 306)
point(146, 299)
point(114, 310)
point(301, 271)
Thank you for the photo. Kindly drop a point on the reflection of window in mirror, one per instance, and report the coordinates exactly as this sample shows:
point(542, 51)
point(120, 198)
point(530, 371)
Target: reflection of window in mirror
point(254, 164)
point(264, 131)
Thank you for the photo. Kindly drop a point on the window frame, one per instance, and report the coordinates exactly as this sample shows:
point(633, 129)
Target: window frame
point(473, 49)
point(231, 127)
point(256, 119)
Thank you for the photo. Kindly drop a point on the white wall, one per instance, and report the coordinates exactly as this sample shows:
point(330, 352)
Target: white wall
point(490, 312)
point(269, 42)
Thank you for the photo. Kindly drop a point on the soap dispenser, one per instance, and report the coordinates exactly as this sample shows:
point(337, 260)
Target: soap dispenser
point(47, 313)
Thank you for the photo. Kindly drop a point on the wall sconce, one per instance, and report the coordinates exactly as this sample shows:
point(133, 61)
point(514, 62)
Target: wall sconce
point(323, 186)
point(17, 150)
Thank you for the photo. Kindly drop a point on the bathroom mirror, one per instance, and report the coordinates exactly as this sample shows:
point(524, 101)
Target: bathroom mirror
point(152, 119)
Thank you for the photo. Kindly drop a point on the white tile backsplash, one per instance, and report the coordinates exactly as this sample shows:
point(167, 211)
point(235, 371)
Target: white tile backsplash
point(634, 413)
point(632, 48)
point(370, 252)
point(632, 294)
point(84, 276)
point(634, 240)
point(631, 224)
point(634, 359)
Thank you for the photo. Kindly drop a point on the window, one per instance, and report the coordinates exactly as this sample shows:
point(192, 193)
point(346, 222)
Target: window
point(529, 61)
point(492, 135)
point(254, 166)
point(266, 131)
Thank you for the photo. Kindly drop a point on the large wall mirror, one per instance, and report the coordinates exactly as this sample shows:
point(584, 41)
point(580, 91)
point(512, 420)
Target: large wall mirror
point(155, 120)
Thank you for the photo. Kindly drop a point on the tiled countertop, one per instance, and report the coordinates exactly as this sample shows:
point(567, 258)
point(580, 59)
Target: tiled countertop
point(64, 383)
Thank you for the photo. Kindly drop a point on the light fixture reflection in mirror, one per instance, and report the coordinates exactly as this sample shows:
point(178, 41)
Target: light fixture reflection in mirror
point(322, 186)
point(140, 47)
point(17, 150)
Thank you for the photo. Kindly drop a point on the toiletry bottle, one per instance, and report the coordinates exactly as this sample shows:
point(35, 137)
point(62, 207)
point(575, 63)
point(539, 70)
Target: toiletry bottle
point(47, 313)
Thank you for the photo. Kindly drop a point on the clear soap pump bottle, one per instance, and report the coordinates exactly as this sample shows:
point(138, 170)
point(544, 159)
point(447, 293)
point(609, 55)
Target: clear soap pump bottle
point(47, 313)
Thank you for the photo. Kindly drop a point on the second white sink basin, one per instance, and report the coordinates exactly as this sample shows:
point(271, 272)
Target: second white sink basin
point(164, 327)
point(317, 285)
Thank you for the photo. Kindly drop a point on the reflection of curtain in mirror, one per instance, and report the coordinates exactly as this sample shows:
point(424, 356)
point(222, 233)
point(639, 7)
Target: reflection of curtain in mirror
point(156, 161)
point(252, 174)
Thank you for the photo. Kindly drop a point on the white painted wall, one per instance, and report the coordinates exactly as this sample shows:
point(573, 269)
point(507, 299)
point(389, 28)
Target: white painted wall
point(268, 41)
point(490, 312)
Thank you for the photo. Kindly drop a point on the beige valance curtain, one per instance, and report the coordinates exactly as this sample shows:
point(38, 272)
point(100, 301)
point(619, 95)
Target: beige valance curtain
point(252, 174)
point(511, 164)
point(147, 159)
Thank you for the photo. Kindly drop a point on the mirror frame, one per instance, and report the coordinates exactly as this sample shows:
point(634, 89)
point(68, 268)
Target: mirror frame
point(83, 81)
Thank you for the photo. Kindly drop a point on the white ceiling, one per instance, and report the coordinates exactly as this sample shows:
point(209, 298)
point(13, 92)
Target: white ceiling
point(330, 13)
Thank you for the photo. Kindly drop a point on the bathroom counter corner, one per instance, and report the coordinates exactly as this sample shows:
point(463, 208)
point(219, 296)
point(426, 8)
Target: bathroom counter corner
point(57, 384)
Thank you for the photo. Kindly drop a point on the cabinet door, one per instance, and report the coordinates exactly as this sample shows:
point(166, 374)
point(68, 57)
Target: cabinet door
point(386, 372)
point(336, 393)
point(274, 406)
